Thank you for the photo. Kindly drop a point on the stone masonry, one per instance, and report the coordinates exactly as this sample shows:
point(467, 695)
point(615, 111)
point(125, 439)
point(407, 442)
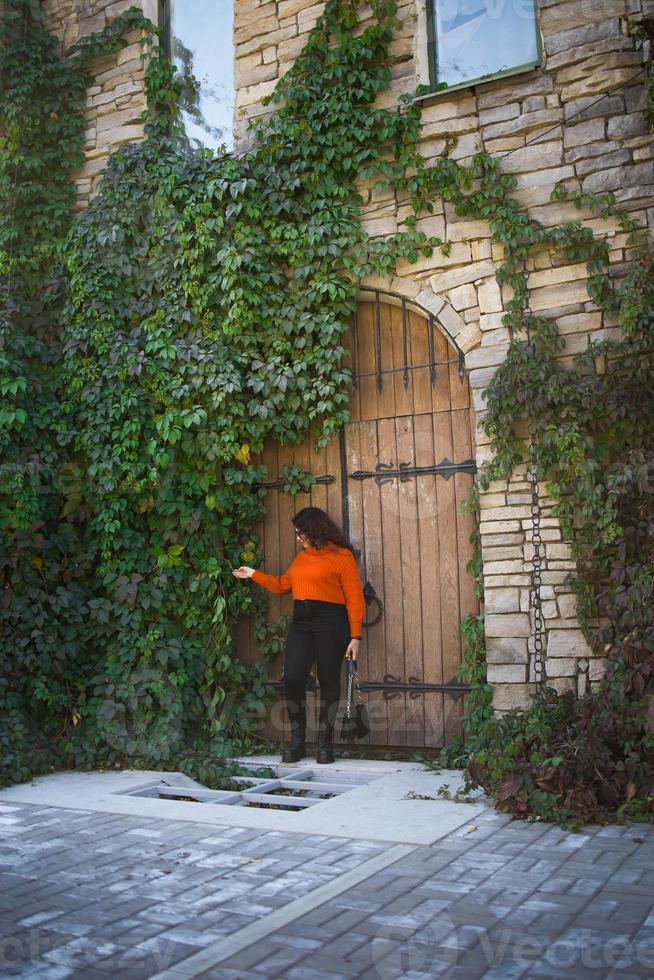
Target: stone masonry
point(577, 118)
point(117, 99)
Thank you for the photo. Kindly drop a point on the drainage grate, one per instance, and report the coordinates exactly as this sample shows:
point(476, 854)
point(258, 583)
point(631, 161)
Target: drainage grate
point(290, 789)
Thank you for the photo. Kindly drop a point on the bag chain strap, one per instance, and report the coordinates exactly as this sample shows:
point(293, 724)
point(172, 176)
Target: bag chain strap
point(352, 678)
point(356, 681)
point(348, 706)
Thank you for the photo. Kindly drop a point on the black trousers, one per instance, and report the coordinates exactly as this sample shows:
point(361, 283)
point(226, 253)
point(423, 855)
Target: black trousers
point(320, 632)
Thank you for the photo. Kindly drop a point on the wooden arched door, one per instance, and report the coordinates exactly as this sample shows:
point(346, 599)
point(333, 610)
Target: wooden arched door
point(395, 479)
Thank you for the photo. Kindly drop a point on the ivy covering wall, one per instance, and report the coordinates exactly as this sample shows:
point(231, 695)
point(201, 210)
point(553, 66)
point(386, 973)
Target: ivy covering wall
point(198, 306)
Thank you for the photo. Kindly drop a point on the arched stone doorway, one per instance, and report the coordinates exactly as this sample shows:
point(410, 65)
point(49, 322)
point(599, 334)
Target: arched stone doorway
point(394, 478)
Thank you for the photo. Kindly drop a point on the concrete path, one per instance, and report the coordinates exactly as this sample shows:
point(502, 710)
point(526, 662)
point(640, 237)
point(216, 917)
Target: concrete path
point(387, 798)
point(89, 894)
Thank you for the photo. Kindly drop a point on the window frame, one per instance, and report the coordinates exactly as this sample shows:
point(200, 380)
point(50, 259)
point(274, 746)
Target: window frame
point(164, 24)
point(482, 79)
point(164, 15)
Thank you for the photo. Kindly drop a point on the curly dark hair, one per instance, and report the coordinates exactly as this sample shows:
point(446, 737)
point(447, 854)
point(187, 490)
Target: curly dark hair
point(320, 528)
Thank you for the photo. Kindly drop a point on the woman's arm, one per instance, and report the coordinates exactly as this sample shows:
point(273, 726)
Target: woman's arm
point(277, 584)
point(353, 592)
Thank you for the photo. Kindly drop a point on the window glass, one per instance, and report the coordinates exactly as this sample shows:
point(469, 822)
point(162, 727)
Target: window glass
point(201, 46)
point(474, 38)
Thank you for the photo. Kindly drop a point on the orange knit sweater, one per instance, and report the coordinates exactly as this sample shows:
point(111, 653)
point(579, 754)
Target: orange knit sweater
point(329, 573)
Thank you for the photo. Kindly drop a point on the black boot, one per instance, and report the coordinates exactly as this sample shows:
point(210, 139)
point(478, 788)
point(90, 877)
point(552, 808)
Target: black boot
point(296, 748)
point(325, 744)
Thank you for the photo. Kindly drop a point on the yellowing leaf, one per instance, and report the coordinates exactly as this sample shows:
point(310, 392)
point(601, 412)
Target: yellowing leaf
point(243, 454)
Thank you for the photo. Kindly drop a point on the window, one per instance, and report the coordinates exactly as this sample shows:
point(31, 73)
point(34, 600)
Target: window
point(473, 39)
point(198, 39)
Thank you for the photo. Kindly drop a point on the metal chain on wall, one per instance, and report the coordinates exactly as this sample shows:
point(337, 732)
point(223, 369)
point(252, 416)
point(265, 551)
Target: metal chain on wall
point(535, 599)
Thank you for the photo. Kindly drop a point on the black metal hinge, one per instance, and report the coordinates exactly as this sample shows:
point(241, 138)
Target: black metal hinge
point(384, 472)
point(393, 687)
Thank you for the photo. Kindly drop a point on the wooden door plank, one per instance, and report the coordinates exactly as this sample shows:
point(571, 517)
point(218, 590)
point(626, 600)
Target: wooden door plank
point(366, 360)
point(317, 467)
point(432, 651)
point(459, 390)
point(334, 490)
point(270, 541)
point(418, 338)
point(411, 582)
point(403, 396)
point(386, 404)
point(449, 569)
point(393, 615)
point(441, 390)
point(288, 546)
point(373, 666)
point(301, 456)
point(355, 511)
point(355, 501)
point(348, 341)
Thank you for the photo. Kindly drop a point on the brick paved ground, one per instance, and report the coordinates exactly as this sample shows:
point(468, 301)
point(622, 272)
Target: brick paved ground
point(93, 895)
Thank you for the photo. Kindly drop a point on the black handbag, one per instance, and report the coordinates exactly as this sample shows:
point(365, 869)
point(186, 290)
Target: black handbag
point(354, 723)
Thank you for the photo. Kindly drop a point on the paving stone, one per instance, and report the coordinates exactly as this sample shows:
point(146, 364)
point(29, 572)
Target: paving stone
point(249, 957)
point(306, 972)
point(282, 959)
point(323, 965)
point(159, 952)
point(345, 946)
point(46, 972)
point(353, 900)
point(221, 973)
point(81, 953)
point(508, 971)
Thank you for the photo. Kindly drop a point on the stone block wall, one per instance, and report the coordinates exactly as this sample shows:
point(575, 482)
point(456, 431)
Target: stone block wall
point(578, 118)
point(117, 98)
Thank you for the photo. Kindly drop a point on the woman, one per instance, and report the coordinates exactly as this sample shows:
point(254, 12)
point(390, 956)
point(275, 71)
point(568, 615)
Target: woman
point(328, 610)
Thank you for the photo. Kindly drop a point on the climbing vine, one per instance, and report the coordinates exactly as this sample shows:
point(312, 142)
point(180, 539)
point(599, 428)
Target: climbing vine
point(196, 308)
point(44, 574)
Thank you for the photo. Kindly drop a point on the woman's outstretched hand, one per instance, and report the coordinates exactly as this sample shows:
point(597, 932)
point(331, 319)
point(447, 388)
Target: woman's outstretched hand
point(352, 649)
point(243, 572)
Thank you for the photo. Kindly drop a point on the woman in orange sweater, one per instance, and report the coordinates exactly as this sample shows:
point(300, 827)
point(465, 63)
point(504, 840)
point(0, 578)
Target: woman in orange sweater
point(328, 611)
